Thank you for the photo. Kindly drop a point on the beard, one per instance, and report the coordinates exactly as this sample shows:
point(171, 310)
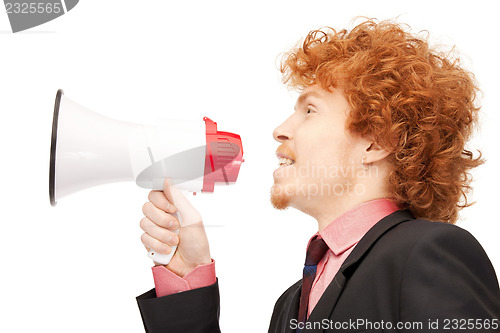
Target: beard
point(279, 199)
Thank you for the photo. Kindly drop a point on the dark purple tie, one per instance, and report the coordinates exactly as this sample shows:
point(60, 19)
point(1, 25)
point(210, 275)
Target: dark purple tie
point(315, 252)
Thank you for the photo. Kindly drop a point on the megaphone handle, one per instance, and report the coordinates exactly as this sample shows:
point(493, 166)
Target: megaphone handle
point(164, 259)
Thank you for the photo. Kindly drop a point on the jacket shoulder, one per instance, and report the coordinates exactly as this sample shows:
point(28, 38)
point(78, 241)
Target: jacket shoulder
point(420, 231)
point(447, 274)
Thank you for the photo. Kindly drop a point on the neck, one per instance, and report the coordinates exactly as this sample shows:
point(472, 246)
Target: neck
point(329, 212)
point(327, 209)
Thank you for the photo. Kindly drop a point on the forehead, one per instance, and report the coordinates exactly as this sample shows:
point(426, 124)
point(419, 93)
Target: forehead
point(312, 91)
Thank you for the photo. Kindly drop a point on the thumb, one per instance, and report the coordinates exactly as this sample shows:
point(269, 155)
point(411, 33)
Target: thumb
point(185, 209)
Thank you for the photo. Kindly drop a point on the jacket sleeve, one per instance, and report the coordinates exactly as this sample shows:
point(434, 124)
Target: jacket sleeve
point(449, 283)
point(195, 311)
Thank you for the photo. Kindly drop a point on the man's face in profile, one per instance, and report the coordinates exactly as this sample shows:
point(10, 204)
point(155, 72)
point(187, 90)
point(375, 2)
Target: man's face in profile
point(319, 157)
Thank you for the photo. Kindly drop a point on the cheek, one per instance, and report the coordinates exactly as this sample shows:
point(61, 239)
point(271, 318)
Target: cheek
point(325, 156)
point(328, 145)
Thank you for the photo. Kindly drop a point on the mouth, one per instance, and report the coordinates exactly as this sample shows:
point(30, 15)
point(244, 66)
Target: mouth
point(284, 160)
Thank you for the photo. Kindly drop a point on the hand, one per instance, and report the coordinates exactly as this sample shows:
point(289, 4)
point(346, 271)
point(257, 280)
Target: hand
point(159, 225)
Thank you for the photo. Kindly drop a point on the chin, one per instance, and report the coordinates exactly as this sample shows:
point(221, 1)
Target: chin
point(279, 198)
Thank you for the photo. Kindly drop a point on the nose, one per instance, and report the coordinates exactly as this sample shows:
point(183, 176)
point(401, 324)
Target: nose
point(281, 134)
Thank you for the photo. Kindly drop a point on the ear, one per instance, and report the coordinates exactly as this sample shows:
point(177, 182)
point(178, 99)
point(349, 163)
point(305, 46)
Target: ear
point(375, 153)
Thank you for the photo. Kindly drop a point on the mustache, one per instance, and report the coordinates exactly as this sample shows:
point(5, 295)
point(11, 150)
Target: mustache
point(285, 150)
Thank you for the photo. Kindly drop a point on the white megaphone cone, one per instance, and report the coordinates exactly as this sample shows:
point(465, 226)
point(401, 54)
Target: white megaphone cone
point(88, 149)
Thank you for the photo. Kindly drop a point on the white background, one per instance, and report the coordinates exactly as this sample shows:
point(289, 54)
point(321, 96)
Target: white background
point(79, 266)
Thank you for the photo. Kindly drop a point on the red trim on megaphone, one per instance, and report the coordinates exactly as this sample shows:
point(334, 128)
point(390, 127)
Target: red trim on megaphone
point(223, 158)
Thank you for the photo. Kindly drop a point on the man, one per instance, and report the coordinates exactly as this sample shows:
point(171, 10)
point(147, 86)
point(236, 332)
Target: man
point(374, 151)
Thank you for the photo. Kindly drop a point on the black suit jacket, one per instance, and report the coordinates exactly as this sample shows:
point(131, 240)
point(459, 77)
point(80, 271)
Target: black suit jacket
point(404, 271)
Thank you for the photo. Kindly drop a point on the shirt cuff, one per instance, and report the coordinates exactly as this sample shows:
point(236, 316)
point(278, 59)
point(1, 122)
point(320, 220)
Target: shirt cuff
point(167, 282)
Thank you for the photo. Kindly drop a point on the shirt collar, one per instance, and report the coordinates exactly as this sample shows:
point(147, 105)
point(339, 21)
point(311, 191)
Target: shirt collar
point(348, 229)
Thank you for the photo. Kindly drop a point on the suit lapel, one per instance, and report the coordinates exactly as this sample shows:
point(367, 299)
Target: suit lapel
point(329, 299)
point(292, 308)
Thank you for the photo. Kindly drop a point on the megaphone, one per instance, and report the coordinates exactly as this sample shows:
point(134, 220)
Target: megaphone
point(89, 149)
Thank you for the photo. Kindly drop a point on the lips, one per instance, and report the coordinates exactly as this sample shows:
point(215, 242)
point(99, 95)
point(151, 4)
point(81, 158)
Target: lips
point(285, 156)
point(286, 160)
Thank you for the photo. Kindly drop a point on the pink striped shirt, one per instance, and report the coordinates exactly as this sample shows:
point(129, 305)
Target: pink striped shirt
point(341, 236)
point(167, 282)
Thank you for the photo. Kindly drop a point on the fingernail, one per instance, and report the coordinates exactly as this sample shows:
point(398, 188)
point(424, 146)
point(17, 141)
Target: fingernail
point(173, 240)
point(170, 208)
point(173, 225)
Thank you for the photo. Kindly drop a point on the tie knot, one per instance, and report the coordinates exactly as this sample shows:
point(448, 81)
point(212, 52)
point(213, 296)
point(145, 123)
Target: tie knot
point(315, 251)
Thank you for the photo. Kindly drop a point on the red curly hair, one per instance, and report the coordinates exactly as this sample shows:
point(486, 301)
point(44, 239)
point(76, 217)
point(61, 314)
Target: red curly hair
point(416, 102)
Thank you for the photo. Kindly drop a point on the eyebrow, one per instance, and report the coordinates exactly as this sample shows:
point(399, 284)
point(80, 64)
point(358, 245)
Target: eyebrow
point(305, 96)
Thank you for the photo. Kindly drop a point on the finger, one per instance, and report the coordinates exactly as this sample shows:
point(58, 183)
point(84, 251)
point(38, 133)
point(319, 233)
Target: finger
point(166, 191)
point(160, 217)
point(159, 199)
point(152, 243)
point(161, 234)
